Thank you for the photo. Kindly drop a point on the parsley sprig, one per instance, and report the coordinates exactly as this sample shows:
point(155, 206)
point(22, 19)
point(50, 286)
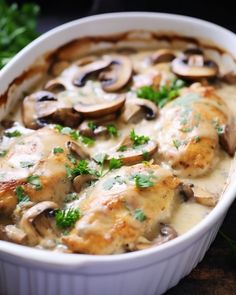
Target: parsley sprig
point(163, 95)
point(138, 139)
point(143, 180)
point(22, 197)
point(17, 28)
point(66, 218)
point(75, 135)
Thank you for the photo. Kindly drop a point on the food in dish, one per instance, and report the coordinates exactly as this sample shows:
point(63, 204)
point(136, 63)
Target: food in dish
point(116, 151)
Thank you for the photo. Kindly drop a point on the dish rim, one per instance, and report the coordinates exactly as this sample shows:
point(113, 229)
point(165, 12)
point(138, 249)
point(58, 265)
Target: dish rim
point(166, 250)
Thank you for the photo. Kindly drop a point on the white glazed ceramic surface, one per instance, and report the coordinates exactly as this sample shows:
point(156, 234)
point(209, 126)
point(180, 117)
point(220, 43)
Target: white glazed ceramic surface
point(28, 271)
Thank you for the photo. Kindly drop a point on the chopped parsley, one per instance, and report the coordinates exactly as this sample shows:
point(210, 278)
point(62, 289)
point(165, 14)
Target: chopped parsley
point(177, 143)
point(58, 150)
point(112, 130)
point(146, 155)
point(35, 181)
point(92, 126)
point(74, 134)
point(186, 129)
point(70, 197)
point(81, 168)
point(139, 215)
point(22, 197)
point(3, 153)
point(26, 164)
point(66, 218)
point(143, 180)
point(138, 139)
point(86, 140)
point(114, 164)
point(163, 95)
point(197, 138)
point(15, 133)
point(122, 148)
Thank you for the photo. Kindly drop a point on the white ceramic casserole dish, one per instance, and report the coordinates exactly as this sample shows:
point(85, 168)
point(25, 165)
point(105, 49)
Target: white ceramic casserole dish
point(28, 271)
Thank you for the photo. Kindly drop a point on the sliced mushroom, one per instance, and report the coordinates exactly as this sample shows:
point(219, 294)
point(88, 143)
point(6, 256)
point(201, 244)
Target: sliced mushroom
point(28, 222)
point(43, 107)
point(194, 67)
point(161, 56)
point(132, 155)
point(86, 60)
point(58, 67)
point(227, 139)
point(204, 197)
point(55, 86)
point(89, 69)
point(14, 234)
point(80, 180)
point(77, 149)
point(185, 191)
point(117, 75)
point(193, 51)
point(102, 109)
point(132, 113)
point(167, 233)
point(137, 108)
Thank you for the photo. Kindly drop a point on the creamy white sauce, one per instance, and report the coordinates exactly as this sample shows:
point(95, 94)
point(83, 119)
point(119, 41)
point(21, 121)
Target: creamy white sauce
point(187, 214)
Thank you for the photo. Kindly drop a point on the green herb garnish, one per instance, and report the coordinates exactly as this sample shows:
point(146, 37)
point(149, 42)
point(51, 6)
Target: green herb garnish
point(15, 133)
point(139, 215)
point(17, 28)
point(26, 164)
point(22, 197)
point(66, 218)
point(163, 95)
point(3, 153)
point(92, 126)
point(112, 130)
point(146, 155)
point(35, 181)
point(114, 164)
point(177, 143)
point(58, 150)
point(137, 139)
point(197, 138)
point(143, 180)
point(74, 134)
point(122, 148)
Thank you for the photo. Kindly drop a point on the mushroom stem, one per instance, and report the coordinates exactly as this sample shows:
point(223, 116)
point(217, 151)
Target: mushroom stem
point(27, 223)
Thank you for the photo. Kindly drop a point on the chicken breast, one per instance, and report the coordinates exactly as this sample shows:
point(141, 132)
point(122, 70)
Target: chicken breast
point(122, 209)
point(188, 131)
point(32, 162)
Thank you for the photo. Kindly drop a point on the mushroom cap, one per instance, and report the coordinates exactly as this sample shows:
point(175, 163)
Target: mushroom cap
point(117, 75)
point(80, 180)
point(101, 109)
point(27, 223)
point(227, 139)
point(132, 155)
point(204, 197)
point(88, 69)
point(162, 55)
point(194, 67)
point(167, 233)
point(77, 149)
point(43, 107)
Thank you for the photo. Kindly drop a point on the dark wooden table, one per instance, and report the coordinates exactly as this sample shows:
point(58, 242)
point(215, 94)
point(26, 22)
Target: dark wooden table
point(216, 274)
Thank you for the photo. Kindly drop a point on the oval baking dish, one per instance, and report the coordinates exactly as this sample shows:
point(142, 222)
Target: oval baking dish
point(152, 270)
